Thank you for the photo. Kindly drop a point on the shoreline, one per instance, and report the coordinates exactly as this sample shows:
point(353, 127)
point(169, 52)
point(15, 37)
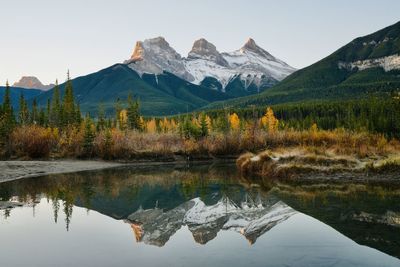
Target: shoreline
point(12, 170)
point(15, 170)
point(19, 169)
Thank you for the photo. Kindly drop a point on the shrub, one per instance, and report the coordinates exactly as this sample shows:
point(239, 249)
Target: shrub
point(33, 141)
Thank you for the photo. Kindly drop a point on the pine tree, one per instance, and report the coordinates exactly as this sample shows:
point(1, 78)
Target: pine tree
point(42, 117)
point(88, 137)
point(133, 115)
point(68, 105)
point(23, 116)
point(8, 111)
point(118, 109)
point(78, 115)
point(222, 122)
point(55, 113)
point(101, 119)
point(7, 122)
point(34, 112)
point(48, 110)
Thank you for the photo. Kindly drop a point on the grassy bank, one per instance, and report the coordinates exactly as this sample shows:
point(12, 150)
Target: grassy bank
point(325, 147)
point(322, 162)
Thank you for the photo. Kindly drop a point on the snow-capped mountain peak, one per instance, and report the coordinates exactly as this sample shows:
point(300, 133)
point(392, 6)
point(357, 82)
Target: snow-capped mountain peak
point(206, 50)
point(155, 45)
point(251, 46)
point(155, 56)
point(251, 64)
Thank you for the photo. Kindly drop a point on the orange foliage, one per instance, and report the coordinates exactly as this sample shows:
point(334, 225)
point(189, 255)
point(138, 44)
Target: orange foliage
point(234, 121)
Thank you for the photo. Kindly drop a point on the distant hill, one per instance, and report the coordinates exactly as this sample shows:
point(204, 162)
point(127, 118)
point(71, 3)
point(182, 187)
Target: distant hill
point(369, 64)
point(15, 93)
point(161, 94)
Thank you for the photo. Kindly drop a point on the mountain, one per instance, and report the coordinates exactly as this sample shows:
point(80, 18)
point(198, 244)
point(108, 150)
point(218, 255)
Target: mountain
point(369, 64)
point(160, 94)
point(238, 73)
point(15, 93)
point(168, 84)
point(31, 82)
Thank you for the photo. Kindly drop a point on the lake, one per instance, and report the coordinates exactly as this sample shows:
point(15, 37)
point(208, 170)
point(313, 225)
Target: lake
point(203, 215)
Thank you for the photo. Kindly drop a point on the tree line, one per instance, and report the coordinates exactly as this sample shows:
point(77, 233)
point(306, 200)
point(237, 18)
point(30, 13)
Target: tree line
point(62, 113)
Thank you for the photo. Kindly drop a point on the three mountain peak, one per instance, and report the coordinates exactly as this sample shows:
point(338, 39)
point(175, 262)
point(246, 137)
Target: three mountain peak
point(201, 47)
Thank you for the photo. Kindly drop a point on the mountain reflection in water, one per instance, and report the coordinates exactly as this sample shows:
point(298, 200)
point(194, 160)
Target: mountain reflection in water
point(207, 200)
point(155, 227)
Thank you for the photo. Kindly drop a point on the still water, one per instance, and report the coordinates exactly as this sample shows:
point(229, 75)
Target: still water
point(195, 216)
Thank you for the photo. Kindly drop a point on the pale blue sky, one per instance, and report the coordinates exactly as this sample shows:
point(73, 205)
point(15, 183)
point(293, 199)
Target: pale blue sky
point(44, 38)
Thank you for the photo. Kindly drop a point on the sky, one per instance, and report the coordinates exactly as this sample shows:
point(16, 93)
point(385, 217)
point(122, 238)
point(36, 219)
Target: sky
point(45, 38)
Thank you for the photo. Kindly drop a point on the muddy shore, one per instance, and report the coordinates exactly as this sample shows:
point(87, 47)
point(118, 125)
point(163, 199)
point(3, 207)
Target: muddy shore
point(13, 170)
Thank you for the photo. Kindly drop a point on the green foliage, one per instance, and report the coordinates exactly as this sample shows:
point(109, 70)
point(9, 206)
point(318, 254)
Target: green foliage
point(222, 122)
point(107, 144)
point(55, 111)
point(188, 129)
point(88, 137)
point(133, 114)
point(23, 115)
point(374, 114)
point(203, 125)
point(101, 118)
point(69, 114)
point(7, 122)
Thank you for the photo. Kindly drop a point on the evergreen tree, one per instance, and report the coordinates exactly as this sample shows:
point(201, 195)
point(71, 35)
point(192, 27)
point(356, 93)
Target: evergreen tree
point(222, 122)
point(68, 106)
point(118, 109)
point(55, 113)
point(189, 129)
point(23, 115)
point(133, 114)
point(34, 112)
point(203, 125)
point(48, 109)
point(78, 115)
point(8, 112)
point(7, 123)
point(101, 119)
point(88, 137)
point(107, 144)
point(42, 117)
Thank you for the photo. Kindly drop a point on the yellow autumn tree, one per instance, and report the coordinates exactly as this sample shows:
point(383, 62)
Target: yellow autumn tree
point(269, 121)
point(123, 119)
point(314, 128)
point(151, 126)
point(234, 121)
point(163, 125)
point(196, 121)
point(173, 125)
point(208, 121)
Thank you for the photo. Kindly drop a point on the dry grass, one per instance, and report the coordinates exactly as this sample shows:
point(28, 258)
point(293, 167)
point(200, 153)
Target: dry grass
point(293, 162)
point(316, 147)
